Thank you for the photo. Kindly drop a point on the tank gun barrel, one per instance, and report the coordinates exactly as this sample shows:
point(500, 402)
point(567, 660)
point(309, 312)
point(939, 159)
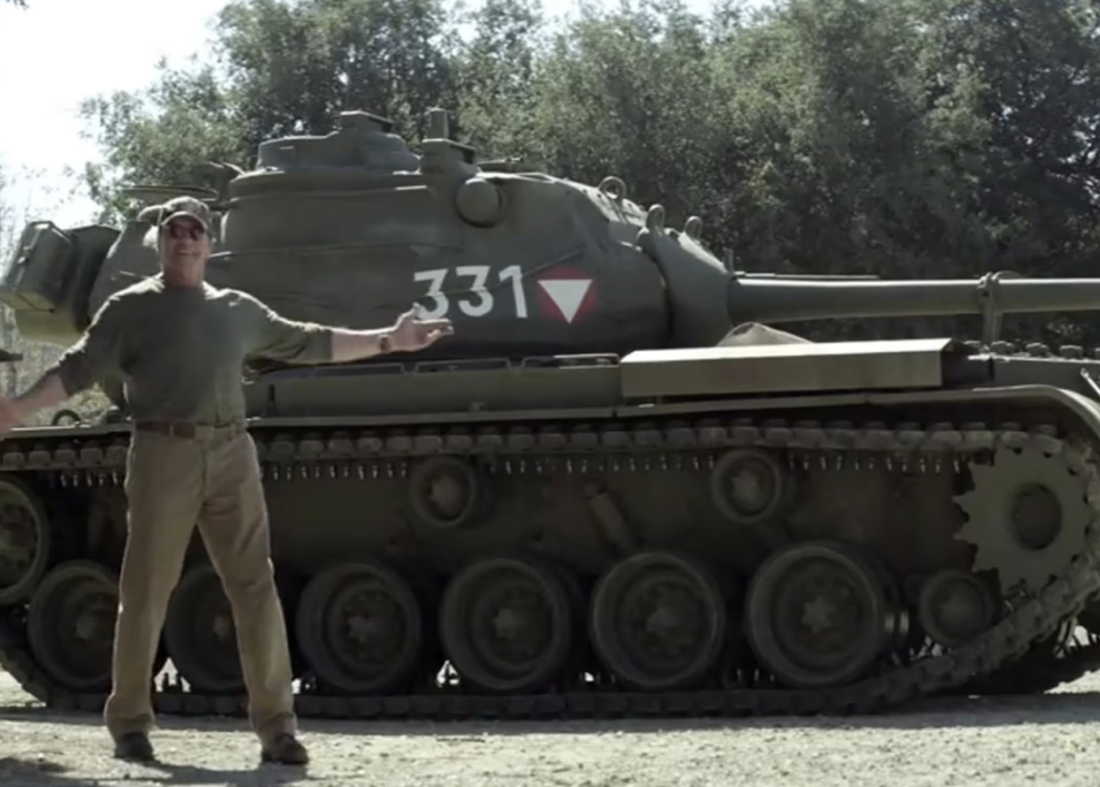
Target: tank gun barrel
point(809, 276)
point(778, 300)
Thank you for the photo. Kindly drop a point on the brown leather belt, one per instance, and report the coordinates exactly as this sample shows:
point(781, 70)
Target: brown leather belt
point(189, 429)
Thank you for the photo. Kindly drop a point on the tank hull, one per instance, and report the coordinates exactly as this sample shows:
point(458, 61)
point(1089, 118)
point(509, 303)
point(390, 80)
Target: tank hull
point(660, 586)
point(604, 494)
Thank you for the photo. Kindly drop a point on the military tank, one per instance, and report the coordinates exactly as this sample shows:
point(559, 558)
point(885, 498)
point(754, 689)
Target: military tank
point(615, 490)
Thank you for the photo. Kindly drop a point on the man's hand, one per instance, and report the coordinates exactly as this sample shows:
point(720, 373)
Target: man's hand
point(410, 333)
point(47, 392)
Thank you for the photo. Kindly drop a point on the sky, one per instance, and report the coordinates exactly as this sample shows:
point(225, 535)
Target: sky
point(56, 53)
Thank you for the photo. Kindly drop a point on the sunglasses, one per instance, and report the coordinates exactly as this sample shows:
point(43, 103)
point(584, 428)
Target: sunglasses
point(180, 229)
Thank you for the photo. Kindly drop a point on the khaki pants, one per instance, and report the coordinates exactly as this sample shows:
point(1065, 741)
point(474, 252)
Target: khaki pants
point(172, 484)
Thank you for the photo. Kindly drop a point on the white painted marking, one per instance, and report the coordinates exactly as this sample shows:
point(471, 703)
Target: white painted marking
point(567, 294)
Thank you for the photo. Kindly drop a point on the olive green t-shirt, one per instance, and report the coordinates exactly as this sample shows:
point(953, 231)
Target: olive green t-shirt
point(180, 350)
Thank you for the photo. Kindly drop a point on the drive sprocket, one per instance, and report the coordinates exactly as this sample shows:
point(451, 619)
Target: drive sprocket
point(1027, 514)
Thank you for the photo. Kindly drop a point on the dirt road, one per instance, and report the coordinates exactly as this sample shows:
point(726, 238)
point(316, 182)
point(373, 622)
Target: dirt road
point(1051, 739)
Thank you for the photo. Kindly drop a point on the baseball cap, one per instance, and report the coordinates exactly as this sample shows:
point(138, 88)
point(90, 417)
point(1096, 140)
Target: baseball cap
point(185, 206)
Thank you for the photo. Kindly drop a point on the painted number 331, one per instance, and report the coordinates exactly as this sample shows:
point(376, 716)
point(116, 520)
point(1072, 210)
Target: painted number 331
point(478, 301)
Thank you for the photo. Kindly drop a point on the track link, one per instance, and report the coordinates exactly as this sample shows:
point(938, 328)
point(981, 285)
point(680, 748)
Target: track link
point(1060, 661)
point(342, 454)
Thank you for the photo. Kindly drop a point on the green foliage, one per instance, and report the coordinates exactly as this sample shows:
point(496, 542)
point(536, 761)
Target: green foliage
point(906, 138)
point(19, 205)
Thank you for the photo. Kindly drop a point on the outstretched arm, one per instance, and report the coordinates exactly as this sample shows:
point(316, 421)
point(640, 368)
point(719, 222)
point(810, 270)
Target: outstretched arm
point(76, 370)
point(408, 334)
point(349, 345)
point(292, 341)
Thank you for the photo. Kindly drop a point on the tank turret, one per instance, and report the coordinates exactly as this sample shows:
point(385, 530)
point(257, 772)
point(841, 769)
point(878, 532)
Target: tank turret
point(353, 226)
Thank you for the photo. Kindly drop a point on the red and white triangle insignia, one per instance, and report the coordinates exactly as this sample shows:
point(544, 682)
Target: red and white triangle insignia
point(567, 294)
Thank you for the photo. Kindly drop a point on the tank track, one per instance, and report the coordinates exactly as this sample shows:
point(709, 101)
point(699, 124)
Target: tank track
point(1071, 662)
point(1062, 660)
point(518, 449)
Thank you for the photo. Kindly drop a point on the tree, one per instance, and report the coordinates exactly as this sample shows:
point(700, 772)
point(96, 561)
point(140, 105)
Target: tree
point(21, 196)
point(277, 68)
point(494, 74)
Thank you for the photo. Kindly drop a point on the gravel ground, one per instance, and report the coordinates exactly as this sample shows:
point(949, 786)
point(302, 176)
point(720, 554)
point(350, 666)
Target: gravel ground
point(1050, 739)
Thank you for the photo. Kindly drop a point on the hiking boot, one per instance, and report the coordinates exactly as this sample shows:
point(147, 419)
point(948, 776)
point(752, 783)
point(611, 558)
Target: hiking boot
point(134, 746)
point(286, 750)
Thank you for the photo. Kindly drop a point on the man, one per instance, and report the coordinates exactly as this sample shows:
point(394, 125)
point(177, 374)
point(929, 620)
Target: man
point(179, 345)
